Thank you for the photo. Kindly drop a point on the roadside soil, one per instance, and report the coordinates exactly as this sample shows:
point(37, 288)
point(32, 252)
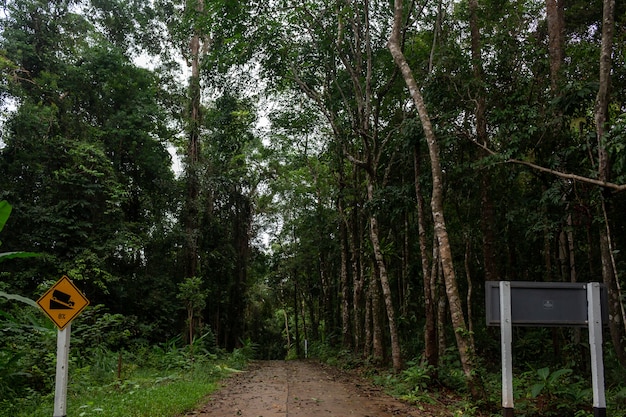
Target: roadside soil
point(305, 389)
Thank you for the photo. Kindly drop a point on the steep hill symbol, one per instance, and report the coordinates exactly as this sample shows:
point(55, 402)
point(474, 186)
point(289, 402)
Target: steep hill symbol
point(61, 301)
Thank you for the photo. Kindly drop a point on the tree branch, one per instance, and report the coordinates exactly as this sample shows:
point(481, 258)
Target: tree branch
point(565, 175)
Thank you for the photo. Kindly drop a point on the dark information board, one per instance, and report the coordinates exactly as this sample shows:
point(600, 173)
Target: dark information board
point(560, 304)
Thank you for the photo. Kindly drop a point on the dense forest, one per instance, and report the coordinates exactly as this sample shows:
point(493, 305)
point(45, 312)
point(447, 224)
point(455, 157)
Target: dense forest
point(315, 175)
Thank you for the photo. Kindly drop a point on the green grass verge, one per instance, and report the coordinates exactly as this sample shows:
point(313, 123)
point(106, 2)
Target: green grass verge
point(144, 394)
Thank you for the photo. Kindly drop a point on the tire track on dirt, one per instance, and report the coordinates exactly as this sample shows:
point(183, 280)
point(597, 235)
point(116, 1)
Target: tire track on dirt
point(301, 389)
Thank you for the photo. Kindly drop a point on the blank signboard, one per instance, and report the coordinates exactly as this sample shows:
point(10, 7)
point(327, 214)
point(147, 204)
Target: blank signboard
point(542, 303)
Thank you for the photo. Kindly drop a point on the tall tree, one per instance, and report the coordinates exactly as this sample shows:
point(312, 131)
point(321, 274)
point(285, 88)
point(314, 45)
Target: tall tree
point(85, 158)
point(463, 339)
point(617, 324)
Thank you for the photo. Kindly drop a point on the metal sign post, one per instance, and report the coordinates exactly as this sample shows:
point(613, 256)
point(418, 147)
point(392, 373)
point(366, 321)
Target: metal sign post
point(595, 344)
point(506, 336)
point(558, 304)
point(60, 390)
point(62, 303)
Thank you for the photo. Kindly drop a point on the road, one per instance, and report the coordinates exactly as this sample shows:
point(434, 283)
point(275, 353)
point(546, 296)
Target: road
point(301, 389)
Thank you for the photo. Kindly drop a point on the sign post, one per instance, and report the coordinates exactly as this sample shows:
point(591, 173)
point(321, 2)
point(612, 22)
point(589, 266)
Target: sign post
point(506, 337)
point(595, 344)
point(62, 303)
point(548, 304)
point(60, 388)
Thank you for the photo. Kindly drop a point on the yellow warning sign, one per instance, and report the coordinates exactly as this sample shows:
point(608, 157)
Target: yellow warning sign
point(63, 302)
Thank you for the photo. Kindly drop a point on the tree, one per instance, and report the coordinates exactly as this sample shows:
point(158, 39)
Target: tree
point(350, 86)
point(464, 342)
point(617, 323)
point(85, 158)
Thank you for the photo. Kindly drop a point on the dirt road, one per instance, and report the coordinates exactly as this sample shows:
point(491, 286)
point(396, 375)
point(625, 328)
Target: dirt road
point(301, 389)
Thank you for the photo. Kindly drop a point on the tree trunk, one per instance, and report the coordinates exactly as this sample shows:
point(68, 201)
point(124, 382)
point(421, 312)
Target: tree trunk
point(346, 337)
point(368, 326)
point(287, 328)
point(358, 284)
point(556, 23)
point(193, 158)
point(480, 112)
point(378, 350)
point(609, 274)
point(404, 289)
point(440, 288)
point(381, 266)
point(466, 349)
point(430, 330)
point(295, 314)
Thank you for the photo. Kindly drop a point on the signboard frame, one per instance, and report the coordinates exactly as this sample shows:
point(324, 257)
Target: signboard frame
point(544, 304)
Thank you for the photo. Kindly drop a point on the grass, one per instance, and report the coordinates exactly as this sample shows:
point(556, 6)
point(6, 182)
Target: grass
point(146, 393)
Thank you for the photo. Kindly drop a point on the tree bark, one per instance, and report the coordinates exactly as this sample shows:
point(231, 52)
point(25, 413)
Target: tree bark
point(396, 355)
point(430, 327)
point(609, 274)
point(358, 283)
point(346, 337)
point(556, 23)
point(192, 211)
point(360, 62)
point(378, 350)
point(480, 113)
point(466, 349)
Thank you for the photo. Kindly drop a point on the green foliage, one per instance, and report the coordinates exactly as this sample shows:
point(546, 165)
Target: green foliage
point(143, 393)
point(5, 212)
point(84, 161)
point(143, 382)
point(25, 346)
point(241, 356)
point(558, 392)
point(417, 376)
point(97, 328)
point(550, 382)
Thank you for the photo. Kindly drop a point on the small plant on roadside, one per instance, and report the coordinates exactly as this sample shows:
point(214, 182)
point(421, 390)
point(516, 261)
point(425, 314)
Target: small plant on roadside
point(465, 409)
point(417, 375)
point(555, 393)
point(241, 356)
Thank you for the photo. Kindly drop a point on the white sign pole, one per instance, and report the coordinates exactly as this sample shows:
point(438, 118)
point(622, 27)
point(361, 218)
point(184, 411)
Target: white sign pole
point(506, 337)
point(60, 390)
point(594, 316)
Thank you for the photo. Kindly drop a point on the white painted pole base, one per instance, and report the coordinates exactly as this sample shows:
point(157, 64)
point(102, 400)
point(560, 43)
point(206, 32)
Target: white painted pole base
point(506, 337)
point(594, 316)
point(60, 389)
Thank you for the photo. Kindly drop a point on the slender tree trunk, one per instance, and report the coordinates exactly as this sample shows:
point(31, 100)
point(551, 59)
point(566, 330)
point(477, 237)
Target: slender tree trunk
point(470, 288)
point(556, 23)
point(346, 337)
point(287, 328)
point(368, 326)
point(480, 112)
point(609, 274)
point(314, 317)
point(302, 308)
point(570, 249)
point(378, 350)
point(466, 349)
point(430, 327)
point(193, 158)
point(381, 266)
point(359, 313)
point(295, 314)
point(439, 290)
point(357, 291)
point(403, 284)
